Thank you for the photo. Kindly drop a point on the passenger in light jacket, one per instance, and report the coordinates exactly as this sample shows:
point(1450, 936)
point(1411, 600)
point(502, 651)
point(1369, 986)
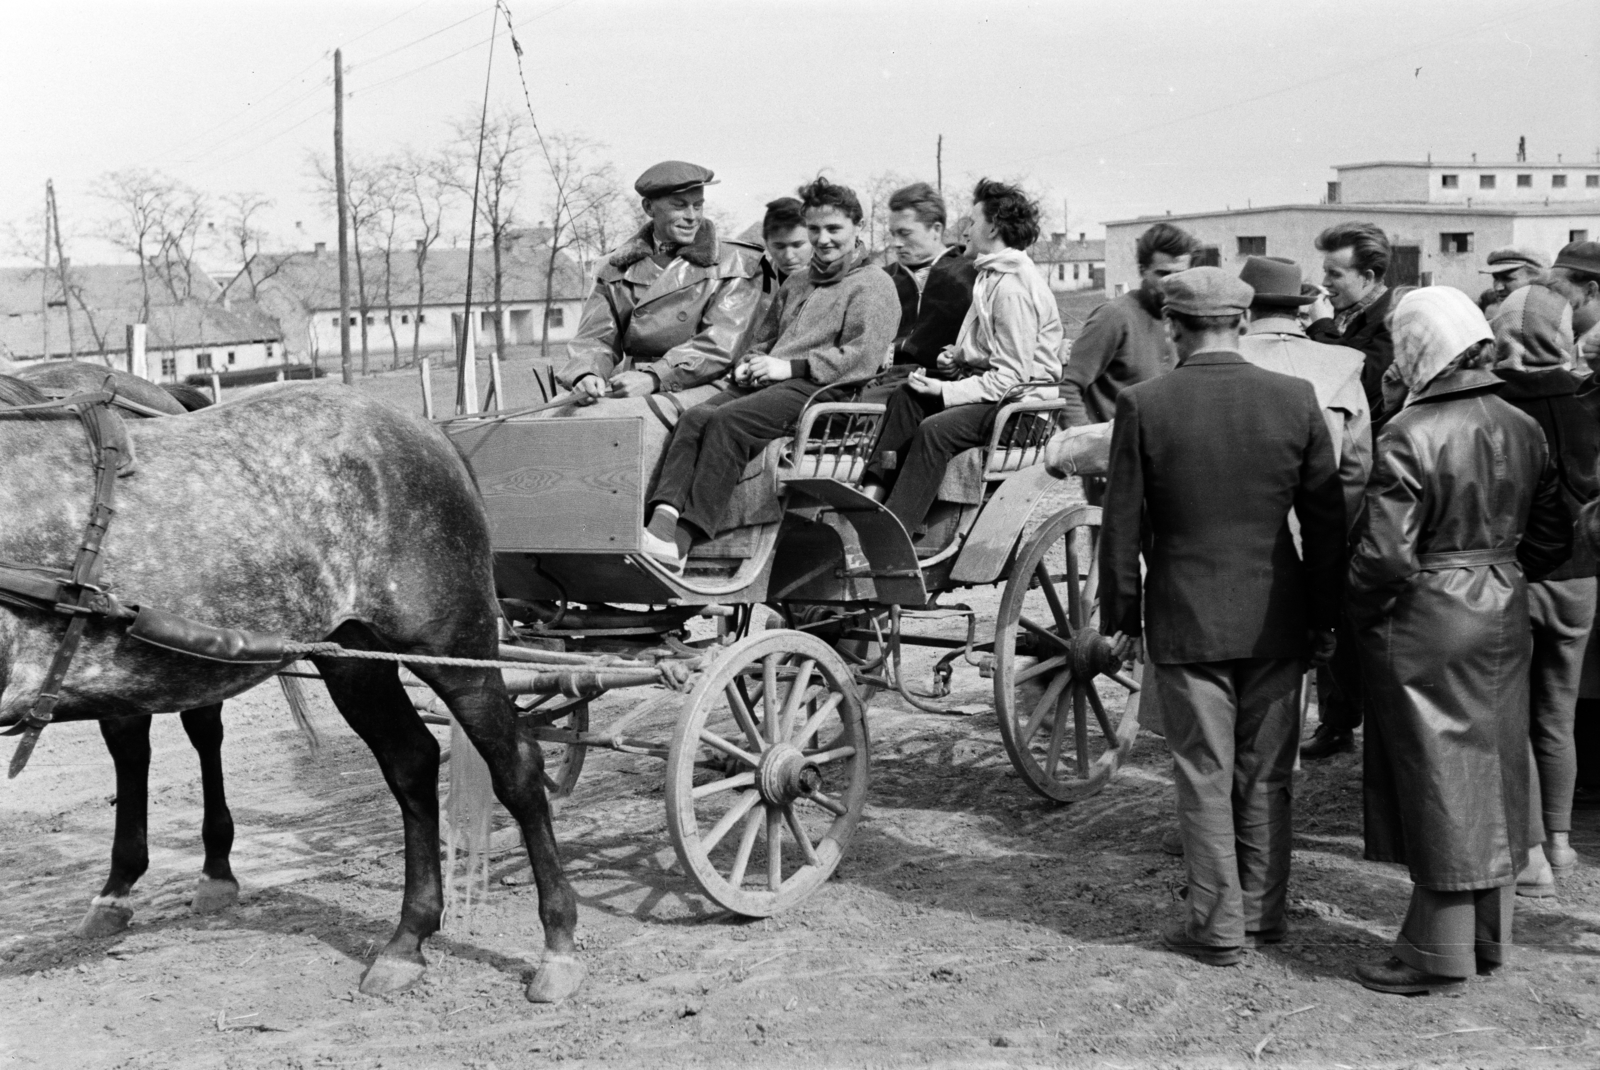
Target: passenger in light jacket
point(1463, 507)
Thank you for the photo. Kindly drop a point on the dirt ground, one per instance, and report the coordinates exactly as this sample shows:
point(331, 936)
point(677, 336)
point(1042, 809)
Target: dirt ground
point(970, 924)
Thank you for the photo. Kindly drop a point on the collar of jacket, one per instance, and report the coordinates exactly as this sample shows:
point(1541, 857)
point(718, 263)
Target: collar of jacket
point(1461, 381)
point(1276, 324)
point(702, 252)
point(1212, 356)
point(1375, 310)
point(1007, 261)
point(948, 250)
point(1544, 383)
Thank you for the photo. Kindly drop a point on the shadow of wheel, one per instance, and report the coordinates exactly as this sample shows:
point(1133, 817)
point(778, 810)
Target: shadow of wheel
point(1052, 659)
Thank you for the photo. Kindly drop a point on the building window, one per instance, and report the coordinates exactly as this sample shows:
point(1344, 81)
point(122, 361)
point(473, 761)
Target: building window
point(1459, 241)
point(335, 321)
point(1577, 235)
point(1061, 272)
point(1450, 181)
point(1486, 182)
point(555, 318)
point(202, 361)
point(232, 358)
point(1558, 181)
point(1524, 181)
point(1592, 181)
point(422, 317)
point(1207, 256)
point(405, 317)
point(370, 321)
point(1075, 268)
point(169, 366)
point(1253, 246)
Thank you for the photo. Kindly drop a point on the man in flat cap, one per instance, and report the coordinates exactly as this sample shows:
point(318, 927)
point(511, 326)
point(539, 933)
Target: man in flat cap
point(1513, 267)
point(1277, 342)
point(1207, 463)
point(671, 308)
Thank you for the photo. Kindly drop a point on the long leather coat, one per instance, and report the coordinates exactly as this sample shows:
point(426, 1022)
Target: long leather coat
point(1464, 503)
point(684, 322)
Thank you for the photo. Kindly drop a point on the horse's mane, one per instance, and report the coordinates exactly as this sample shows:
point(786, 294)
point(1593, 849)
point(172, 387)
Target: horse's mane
point(14, 391)
point(191, 398)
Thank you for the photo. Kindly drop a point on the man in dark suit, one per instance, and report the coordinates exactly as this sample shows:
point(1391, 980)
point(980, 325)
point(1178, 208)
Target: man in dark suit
point(1206, 464)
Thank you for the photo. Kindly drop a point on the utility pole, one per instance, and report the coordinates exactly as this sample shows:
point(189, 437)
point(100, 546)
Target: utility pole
point(44, 284)
point(344, 218)
point(938, 165)
point(61, 267)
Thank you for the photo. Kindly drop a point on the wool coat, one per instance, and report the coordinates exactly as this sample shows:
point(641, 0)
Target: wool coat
point(1572, 434)
point(1463, 506)
point(1206, 464)
point(834, 331)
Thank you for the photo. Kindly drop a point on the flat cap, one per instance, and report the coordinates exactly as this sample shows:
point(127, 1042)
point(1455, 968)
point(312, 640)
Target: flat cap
point(1207, 291)
point(1580, 256)
point(672, 176)
point(1513, 257)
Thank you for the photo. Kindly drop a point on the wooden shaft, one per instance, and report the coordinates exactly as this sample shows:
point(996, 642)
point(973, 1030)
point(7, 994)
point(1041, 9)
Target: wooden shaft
point(344, 217)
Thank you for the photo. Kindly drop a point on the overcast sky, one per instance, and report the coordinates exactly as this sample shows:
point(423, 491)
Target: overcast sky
point(1121, 108)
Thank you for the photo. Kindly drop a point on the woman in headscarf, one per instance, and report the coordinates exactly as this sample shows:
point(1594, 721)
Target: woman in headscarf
point(1462, 508)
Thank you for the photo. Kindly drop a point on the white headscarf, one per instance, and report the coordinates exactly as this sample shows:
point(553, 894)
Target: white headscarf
point(1431, 327)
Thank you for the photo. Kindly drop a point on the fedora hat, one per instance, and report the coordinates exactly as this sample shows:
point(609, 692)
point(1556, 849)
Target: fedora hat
point(1276, 282)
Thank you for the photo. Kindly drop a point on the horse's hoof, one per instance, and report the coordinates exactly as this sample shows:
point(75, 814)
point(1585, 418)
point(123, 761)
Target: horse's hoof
point(391, 976)
point(212, 896)
point(560, 975)
point(106, 917)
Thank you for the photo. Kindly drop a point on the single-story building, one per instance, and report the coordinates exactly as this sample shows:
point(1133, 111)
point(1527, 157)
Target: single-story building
point(1071, 265)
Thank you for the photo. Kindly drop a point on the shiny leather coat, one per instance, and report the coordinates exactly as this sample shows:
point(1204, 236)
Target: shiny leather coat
point(1464, 505)
point(684, 322)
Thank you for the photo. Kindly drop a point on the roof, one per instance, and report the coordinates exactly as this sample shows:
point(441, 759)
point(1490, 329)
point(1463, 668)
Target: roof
point(313, 278)
point(1510, 165)
point(102, 286)
point(1567, 208)
point(192, 325)
point(1055, 252)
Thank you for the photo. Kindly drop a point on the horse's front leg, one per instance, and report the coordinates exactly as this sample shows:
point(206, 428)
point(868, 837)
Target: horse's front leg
point(128, 740)
point(217, 889)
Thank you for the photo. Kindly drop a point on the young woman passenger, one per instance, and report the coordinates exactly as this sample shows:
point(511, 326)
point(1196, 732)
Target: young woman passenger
point(1011, 335)
point(832, 321)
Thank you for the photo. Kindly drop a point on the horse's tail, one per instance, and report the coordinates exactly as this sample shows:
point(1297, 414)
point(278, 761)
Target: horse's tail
point(192, 398)
point(294, 693)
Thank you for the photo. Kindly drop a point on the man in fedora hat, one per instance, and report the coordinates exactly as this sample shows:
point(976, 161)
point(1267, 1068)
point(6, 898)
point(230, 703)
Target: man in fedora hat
point(1233, 612)
point(1277, 342)
point(1513, 267)
point(670, 309)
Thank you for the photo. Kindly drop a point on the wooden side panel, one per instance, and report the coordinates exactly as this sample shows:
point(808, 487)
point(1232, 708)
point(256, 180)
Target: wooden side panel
point(564, 486)
point(992, 539)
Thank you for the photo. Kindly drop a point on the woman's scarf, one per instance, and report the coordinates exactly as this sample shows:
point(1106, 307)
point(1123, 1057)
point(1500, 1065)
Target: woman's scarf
point(1431, 327)
point(827, 274)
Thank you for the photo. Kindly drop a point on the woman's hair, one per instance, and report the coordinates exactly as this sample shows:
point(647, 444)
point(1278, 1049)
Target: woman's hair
point(785, 213)
point(1014, 215)
point(1477, 355)
point(923, 200)
point(820, 193)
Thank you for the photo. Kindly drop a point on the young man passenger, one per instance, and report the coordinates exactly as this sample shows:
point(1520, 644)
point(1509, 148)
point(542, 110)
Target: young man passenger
point(934, 280)
point(831, 322)
point(786, 245)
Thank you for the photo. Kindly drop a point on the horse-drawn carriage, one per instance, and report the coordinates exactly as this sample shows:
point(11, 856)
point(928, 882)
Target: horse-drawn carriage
point(767, 757)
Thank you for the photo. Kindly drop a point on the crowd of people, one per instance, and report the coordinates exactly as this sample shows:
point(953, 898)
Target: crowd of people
point(1384, 483)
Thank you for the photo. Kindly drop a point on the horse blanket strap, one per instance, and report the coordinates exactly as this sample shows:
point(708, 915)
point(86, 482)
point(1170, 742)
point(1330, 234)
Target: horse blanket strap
point(108, 446)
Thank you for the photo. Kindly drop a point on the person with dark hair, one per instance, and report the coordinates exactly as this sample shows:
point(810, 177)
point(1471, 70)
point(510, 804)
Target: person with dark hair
point(933, 279)
point(1464, 508)
point(830, 322)
point(1124, 341)
point(787, 245)
point(1207, 464)
point(1354, 269)
point(1510, 269)
point(673, 306)
point(1009, 337)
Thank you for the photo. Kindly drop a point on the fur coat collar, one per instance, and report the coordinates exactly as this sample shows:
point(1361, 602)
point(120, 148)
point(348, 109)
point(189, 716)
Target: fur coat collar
point(702, 252)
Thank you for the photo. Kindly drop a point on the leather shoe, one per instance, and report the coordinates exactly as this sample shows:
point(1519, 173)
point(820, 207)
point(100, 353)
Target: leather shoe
point(1325, 742)
point(1536, 880)
point(1172, 842)
point(1397, 978)
point(1262, 937)
point(1177, 938)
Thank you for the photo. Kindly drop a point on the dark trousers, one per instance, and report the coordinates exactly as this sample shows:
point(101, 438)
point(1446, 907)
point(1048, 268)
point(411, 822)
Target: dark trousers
point(1233, 728)
point(1450, 933)
point(1339, 692)
point(716, 439)
point(1561, 612)
point(923, 435)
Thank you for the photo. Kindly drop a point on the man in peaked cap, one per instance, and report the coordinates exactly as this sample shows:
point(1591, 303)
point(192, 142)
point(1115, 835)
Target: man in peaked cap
point(1233, 612)
point(670, 309)
point(1277, 342)
point(1514, 267)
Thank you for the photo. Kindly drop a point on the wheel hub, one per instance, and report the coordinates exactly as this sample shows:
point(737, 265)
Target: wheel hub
point(785, 775)
point(1091, 654)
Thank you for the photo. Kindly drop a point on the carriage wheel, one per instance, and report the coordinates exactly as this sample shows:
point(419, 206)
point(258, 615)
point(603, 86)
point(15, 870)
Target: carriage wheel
point(563, 762)
point(1051, 661)
point(767, 773)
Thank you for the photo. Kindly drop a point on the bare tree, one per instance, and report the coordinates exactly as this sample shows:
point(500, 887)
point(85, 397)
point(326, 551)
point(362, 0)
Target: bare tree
point(610, 217)
point(243, 236)
point(497, 179)
point(388, 218)
point(581, 187)
point(365, 196)
point(158, 220)
point(426, 192)
point(878, 191)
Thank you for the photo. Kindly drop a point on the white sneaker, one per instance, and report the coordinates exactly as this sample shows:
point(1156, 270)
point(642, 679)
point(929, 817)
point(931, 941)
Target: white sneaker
point(663, 551)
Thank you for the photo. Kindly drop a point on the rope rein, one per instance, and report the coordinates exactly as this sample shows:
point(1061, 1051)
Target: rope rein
point(674, 674)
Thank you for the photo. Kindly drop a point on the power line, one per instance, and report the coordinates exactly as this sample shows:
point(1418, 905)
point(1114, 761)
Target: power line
point(236, 135)
point(418, 41)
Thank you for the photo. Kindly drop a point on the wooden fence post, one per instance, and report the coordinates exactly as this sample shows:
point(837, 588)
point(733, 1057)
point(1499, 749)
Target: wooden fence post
point(426, 374)
point(138, 364)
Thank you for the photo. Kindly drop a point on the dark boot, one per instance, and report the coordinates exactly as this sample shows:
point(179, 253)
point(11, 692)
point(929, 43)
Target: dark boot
point(1325, 742)
point(1397, 978)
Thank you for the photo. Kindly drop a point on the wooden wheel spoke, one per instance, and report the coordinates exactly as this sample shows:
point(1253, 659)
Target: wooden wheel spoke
point(1064, 624)
point(814, 722)
point(1124, 679)
point(1100, 714)
point(739, 704)
point(774, 849)
point(1052, 754)
point(797, 695)
point(1052, 695)
point(807, 851)
point(769, 696)
point(1073, 591)
point(834, 755)
point(1091, 585)
point(738, 780)
point(1080, 725)
point(729, 819)
point(747, 843)
point(1040, 668)
point(1045, 633)
point(828, 803)
point(711, 739)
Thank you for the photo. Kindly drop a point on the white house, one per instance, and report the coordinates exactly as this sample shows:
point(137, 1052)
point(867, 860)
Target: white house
point(1071, 265)
point(1442, 219)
